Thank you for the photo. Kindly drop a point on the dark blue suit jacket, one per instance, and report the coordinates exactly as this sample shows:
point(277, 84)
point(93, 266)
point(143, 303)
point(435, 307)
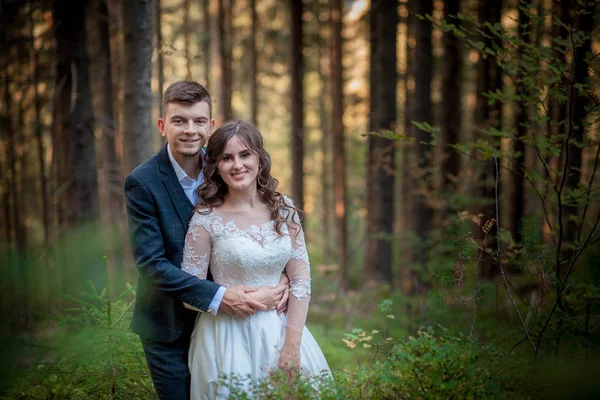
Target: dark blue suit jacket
point(159, 212)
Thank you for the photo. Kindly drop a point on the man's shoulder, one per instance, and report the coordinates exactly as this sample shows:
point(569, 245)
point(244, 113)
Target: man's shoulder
point(149, 169)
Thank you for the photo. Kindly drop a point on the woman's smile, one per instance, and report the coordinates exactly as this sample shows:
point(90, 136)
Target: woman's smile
point(239, 175)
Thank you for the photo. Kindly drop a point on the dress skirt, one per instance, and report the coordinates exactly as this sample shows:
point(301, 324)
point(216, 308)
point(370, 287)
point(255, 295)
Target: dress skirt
point(245, 347)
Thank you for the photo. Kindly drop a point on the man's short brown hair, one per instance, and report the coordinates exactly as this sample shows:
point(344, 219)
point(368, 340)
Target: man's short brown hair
point(186, 92)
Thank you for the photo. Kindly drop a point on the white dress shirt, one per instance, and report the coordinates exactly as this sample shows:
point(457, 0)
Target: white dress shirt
point(190, 187)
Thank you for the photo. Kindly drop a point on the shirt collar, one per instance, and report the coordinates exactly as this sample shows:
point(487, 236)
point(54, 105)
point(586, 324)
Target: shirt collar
point(181, 175)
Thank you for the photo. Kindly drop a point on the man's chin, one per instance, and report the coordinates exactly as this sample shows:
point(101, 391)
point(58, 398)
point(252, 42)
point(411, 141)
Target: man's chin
point(190, 152)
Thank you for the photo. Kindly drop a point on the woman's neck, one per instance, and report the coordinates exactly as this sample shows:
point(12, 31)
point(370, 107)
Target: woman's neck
point(247, 199)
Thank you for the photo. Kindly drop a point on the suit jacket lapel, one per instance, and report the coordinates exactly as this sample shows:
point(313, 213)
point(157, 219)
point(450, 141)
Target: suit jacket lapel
point(180, 201)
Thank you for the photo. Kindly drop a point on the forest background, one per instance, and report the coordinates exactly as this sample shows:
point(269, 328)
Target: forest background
point(445, 154)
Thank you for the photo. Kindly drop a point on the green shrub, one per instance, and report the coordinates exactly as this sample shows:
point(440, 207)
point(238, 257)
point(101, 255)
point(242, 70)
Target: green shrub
point(98, 357)
point(428, 366)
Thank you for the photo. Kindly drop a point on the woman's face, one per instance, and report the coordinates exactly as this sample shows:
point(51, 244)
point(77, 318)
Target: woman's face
point(238, 165)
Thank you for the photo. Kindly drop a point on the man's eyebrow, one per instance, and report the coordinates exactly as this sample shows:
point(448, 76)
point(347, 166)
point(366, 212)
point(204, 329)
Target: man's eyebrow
point(177, 116)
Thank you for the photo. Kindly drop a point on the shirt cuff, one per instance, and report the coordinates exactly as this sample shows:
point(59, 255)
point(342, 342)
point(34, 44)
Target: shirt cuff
point(213, 307)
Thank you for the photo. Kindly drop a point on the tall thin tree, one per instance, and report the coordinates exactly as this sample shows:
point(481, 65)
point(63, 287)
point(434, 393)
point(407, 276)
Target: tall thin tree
point(487, 116)
point(38, 128)
point(105, 111)
point(297, 102)
point(383, 21)
point(253, 65)
point(78, 125)
point(137, 126)
point(579, 111)
point(406, 276)
point(451, 98)
point(339, 153)
point(422, 112)
point(323, 70)
point(186, 38)
point(5, 131)
point(206, 48)
point(13, 201)
point(223, 69)
point(159, 53)
point(517, 203)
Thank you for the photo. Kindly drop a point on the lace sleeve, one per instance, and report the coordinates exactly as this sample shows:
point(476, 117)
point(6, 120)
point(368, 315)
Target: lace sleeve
point(196, 250)
point(298, 271)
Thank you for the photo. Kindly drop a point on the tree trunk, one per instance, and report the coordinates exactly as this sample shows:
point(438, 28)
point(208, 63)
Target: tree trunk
point(206, 52)
point(451, 99)
point(102, 86)
point(253, 63)
point(22, 282)
point(5, 132)
point(223, 60)
point(489, 79)
point(159, 54)
point(186, 38)
point(75, 142)
point(111, 188)
point(383, 20)
point(297, 103)
point(327, 167)
point(558, 110)
point(407, 279)
point(84, 195)
point(61, 139)
point(35, 79)
point(138, 128)
point(579, 109)
point(421, 112)
point(5, 175)
point(337, 128)
point(517, 203)
point(13, 191)
point(326, 171)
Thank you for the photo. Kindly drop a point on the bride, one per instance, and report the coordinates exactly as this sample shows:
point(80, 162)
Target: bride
point(246, 233)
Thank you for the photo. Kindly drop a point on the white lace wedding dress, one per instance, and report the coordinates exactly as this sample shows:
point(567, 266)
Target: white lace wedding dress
point(247, 252)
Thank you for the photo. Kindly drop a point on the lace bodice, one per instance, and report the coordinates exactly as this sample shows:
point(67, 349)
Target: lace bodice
point(249, 251)
point(253, 256)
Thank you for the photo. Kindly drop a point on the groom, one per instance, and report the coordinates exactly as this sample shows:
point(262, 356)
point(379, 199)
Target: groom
point(160, 197)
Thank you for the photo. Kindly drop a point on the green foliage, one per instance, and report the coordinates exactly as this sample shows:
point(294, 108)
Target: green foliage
point(278, 386)
point(543, 293)
point(428, 366)
point(98, 356)
point(448, 366)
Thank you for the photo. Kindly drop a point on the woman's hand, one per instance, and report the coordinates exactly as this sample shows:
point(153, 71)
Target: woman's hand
point(283, 302)
point(268, 295)
point(289, 360)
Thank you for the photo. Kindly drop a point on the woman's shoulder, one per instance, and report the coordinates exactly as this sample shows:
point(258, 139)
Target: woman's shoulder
point(288, 210)
point(202, 215)
point(287, 200)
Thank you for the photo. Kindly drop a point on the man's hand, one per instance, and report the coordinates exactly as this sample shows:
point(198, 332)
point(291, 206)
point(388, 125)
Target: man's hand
point(237, 303)
point(282, 305)
point(268, 295)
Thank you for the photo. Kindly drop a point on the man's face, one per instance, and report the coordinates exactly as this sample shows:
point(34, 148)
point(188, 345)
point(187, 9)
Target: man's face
point(186, 128)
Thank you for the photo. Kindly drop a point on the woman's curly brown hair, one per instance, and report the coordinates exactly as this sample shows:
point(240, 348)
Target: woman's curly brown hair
point(213, 191)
